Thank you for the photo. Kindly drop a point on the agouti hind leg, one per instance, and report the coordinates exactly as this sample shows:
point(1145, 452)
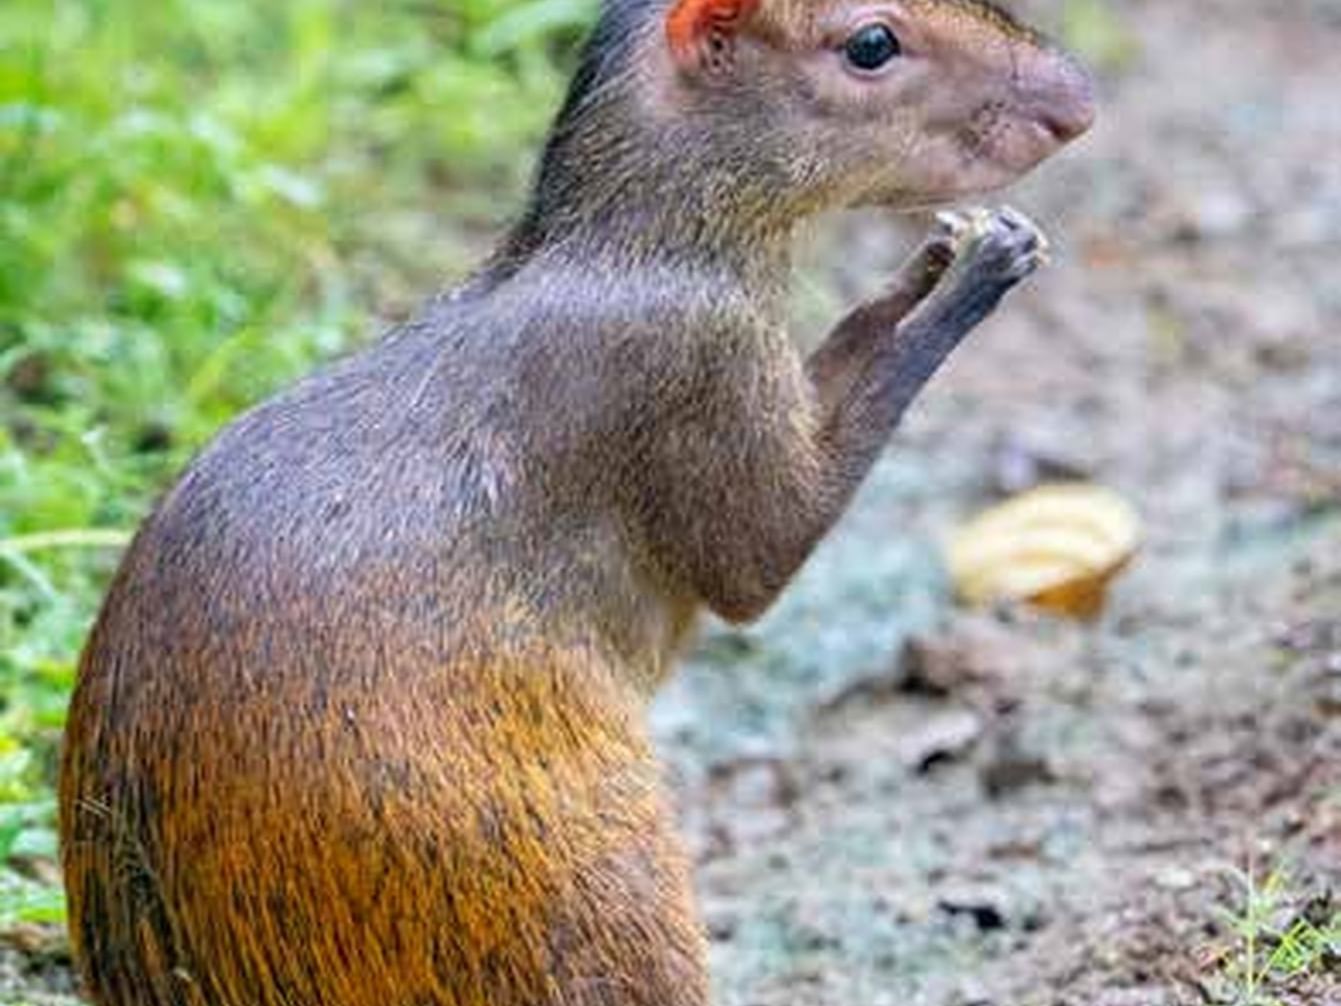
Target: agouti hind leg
point(393, 858)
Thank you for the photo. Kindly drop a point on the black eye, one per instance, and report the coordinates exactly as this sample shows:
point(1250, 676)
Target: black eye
point(872, 47)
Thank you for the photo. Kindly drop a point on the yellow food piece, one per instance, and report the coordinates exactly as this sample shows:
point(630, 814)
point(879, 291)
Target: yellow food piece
point(1057, 547)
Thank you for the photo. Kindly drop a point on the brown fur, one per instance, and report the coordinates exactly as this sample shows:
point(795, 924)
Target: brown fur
point(361, 722)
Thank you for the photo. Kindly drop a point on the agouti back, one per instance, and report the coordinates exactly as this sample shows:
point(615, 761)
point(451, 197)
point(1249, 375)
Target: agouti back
point(361, 722)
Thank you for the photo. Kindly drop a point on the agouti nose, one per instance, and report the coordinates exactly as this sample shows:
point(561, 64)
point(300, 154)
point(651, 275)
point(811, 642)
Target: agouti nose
point(1059, 94)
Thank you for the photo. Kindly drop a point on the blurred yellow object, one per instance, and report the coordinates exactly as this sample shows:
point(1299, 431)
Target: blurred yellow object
point(1056, 547)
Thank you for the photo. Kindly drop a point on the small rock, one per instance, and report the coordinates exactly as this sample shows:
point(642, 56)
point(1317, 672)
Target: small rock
point(983, 908)
point(38, 941)
point(1176, 878)
point(1139, 996)
point(978, 655)
point(1010, 768)
point(868, 689)
point(1214, 213)
point(972, 993)
point(946, 736)
point(1021, 461)
point(751, 800)
point(721, 923)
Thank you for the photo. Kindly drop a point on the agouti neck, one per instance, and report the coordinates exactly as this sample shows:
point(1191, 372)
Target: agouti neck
point(638, 217)
point(621, 188)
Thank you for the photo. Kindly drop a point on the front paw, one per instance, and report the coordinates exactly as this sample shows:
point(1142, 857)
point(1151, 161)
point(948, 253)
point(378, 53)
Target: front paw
point(993, 251)
point(990, 245)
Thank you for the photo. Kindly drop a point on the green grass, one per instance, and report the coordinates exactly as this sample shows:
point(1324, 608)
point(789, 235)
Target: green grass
point(199, 200)
point(1278, 945)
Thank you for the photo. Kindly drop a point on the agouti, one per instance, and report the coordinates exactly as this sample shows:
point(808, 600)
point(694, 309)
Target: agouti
point(361, 722)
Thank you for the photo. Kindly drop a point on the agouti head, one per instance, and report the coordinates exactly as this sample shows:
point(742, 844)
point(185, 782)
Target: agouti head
point(901, 101)
point(713, 116)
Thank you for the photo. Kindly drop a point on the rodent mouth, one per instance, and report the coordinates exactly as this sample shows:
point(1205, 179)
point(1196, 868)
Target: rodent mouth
point(998, 145)
point(1013, 143)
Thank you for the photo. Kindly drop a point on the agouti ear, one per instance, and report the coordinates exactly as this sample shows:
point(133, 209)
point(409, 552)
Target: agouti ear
point(702, 33)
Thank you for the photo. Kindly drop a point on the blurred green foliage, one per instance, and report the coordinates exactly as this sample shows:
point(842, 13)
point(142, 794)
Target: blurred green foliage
point(1099, 33)
point(190, 194)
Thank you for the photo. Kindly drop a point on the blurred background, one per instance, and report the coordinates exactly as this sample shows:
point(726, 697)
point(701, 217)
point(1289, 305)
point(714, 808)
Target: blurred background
point(891, 796)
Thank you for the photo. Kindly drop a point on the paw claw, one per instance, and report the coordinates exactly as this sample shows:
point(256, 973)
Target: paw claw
point(986, 252)
point(954, 222)
point(1003, 244)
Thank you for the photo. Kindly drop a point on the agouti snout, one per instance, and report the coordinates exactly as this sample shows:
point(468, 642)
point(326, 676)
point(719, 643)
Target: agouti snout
point(361, 720)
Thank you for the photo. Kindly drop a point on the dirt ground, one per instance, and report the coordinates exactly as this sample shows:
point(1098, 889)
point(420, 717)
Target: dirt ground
point(896, 801)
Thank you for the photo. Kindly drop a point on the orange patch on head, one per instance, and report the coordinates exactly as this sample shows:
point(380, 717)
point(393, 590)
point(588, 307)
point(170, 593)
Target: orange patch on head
point(691, 21)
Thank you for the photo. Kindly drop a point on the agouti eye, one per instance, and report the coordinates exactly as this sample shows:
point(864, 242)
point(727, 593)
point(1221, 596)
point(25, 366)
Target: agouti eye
point(872, 47)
